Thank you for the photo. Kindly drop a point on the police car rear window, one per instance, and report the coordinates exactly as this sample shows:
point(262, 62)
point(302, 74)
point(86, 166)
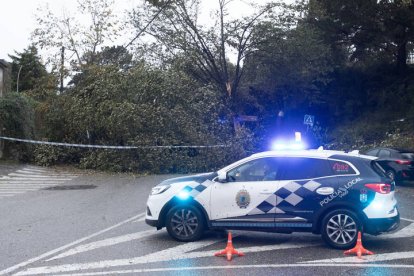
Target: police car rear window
point(378, 169)
point(341, 168)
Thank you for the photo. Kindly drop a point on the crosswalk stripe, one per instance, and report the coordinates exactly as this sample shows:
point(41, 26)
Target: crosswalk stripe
point(29, 172)
point(32, 188)
point(25, 173)
point(23, 178)
point(31, 178)
point(14, 180)
point(23, 186)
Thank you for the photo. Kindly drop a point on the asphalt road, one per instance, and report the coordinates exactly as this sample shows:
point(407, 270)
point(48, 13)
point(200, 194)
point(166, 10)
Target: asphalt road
point(63, 221)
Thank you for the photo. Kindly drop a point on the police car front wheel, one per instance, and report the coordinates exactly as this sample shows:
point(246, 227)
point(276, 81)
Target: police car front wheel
point(185, 223)
point(340, 228)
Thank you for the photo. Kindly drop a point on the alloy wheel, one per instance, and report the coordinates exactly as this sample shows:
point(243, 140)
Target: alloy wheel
point(341, 229)
point(184, 223)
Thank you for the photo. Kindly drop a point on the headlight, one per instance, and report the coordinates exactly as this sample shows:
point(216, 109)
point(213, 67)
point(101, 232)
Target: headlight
point(159, 189)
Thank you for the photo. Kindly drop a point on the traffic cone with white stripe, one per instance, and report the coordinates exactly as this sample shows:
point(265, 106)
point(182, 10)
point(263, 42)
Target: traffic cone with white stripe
point(359, 250)
point(229, 251)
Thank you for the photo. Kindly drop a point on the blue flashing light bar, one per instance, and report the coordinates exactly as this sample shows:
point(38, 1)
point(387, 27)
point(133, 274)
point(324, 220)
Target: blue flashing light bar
point(288, 146)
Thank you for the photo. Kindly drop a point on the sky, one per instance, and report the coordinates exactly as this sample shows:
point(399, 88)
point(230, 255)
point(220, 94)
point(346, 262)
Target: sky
point(17, 19)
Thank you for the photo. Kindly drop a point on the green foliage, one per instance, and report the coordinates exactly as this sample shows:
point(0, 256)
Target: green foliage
point(16, 115)
point(28, 69)
point(289, 70)
point(17, 120)
point(142, 106)
point(369, 130)
point(368, 31)
point(183, 87)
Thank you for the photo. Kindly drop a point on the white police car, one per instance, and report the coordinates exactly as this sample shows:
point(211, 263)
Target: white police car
point(331, 193)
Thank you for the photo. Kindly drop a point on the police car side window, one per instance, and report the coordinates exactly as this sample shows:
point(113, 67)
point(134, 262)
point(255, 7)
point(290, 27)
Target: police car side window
point(296, 168)
point(341, 168)
point(263, 169)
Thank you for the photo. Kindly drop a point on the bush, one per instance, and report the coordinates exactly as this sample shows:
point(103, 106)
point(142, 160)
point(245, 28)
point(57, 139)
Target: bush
point(372, 130)
point(17, 120)
point(142, 107)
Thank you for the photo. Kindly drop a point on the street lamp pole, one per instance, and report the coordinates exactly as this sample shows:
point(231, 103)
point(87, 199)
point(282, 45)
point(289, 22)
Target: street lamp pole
point(18, 76)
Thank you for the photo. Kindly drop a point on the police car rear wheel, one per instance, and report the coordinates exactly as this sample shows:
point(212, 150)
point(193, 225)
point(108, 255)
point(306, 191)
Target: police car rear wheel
point(340, 229)
point(185, 223)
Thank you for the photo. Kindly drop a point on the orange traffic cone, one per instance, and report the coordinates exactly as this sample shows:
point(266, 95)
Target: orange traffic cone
point(359, 249)
point(229, 251)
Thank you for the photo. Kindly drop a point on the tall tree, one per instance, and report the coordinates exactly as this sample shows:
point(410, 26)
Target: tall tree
point(28, 71)
point(368, 30)
point(81, 39)
point(214, 53)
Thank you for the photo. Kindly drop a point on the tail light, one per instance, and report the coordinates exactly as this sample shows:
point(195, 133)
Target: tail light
point(403, 162)
point(379, 188)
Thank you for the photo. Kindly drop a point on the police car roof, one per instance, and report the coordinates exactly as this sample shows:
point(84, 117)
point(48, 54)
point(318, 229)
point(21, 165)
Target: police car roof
point(312, 153)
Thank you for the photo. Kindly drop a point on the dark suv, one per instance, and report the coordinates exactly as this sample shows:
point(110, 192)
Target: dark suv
point(397, 163)
point(332, 193)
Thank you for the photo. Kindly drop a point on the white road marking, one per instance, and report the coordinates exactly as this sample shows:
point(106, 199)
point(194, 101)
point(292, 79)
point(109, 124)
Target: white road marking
point(30, 178)
point(228, 268)
point(36, 169)
point(405, 232)
point(25, 171)
point(54, 251)
point(14, 187)
point(5, 178)
point(139, 220)
point(34, 176)
point(184, 251)
point(406, 219)
point(104, 243)
point(31, 181)
point(370, 258)
point(18, 190)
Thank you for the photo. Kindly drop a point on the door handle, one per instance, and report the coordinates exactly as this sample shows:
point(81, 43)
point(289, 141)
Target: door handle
point(325, 191)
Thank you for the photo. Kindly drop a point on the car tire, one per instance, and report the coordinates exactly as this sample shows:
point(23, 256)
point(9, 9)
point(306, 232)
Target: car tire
point(340, 229)
point(185, 223)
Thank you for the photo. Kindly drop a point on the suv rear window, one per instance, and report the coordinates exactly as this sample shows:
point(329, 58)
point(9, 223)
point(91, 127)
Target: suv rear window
point(378, 169)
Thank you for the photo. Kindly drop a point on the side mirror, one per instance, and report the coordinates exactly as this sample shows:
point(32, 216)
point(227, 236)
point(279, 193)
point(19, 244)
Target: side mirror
point(222, 176)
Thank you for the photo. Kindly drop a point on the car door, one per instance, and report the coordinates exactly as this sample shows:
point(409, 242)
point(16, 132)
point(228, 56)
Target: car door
point(241, 200)
point(304, 182)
